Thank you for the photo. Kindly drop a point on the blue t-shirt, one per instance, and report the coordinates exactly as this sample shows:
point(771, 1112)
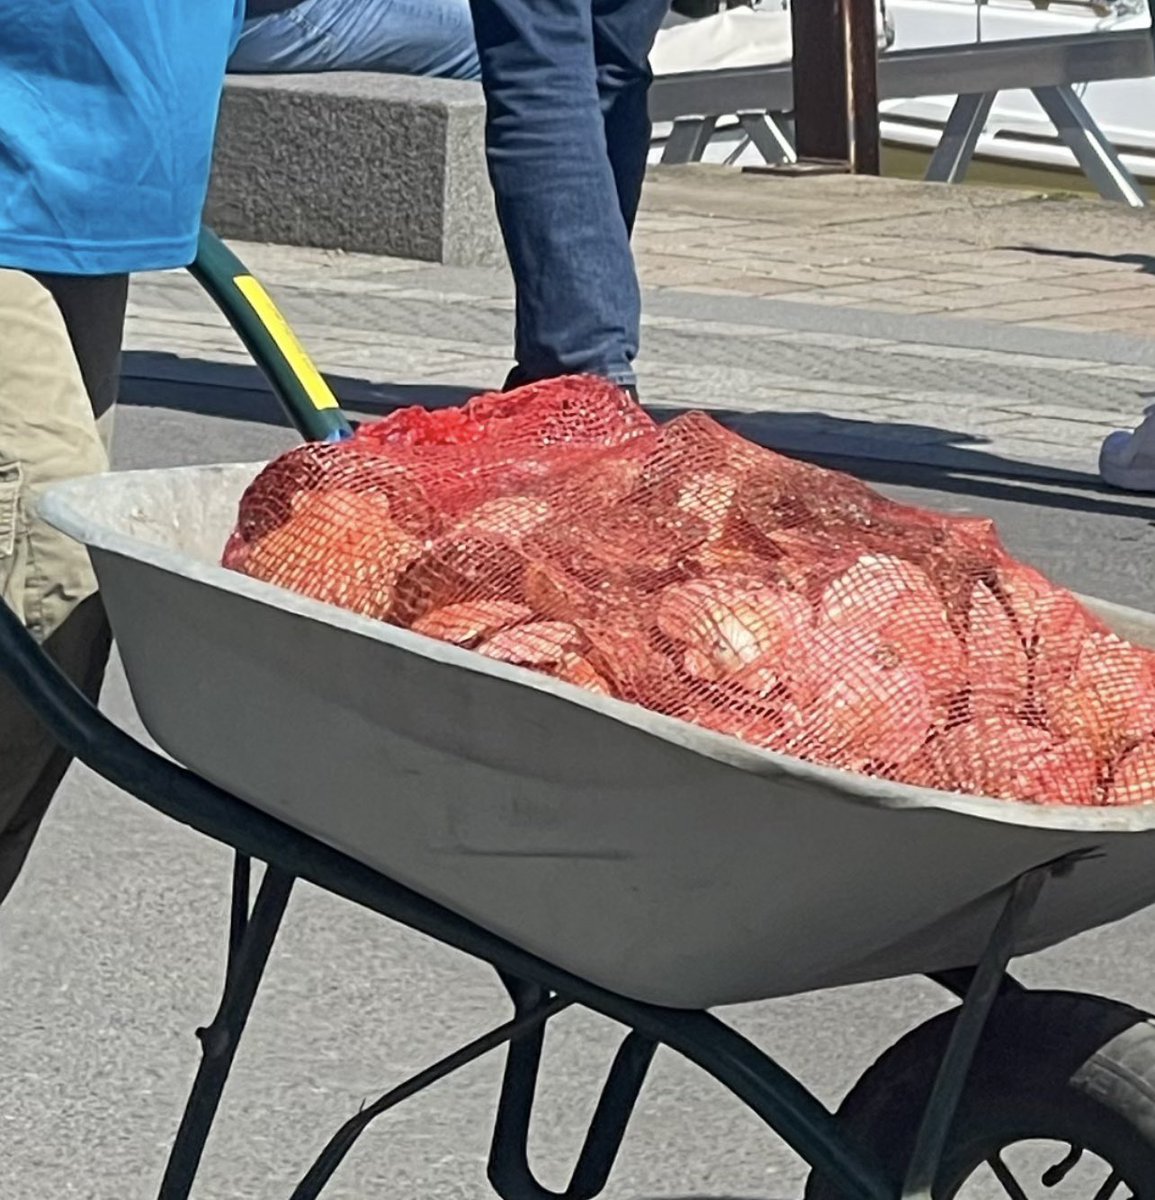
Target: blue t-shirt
point(107, 115)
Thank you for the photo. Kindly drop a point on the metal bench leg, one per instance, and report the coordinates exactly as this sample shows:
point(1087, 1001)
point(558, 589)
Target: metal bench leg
point(688, 139)
point(956, 147)
point(768, 137)
point(1099, 159)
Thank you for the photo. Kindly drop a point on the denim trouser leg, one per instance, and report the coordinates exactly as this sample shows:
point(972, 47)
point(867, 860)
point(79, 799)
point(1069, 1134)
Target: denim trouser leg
point(404, 37)
point(624, 33)
point(567, 136)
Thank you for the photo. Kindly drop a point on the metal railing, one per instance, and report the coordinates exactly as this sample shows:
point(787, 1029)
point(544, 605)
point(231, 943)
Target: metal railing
point(760, 97)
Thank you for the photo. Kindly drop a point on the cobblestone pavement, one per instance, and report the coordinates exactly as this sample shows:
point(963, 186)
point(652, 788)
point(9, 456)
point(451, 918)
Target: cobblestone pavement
point(975, 329)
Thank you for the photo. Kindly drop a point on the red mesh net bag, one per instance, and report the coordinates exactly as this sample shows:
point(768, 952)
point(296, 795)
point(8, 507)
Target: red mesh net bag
point(682, 568)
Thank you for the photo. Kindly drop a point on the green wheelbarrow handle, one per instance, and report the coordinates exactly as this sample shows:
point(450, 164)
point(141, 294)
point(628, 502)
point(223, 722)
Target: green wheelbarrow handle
point(306, 397)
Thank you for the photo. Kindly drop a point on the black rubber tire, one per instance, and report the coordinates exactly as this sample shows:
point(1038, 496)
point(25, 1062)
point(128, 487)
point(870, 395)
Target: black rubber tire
point(1058, 1065)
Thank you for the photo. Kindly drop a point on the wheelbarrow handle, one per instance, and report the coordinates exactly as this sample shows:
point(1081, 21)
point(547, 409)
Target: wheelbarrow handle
point(307, 398)
point(87, 734)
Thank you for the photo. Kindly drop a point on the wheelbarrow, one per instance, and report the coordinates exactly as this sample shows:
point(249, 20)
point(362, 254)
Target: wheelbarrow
point(598, 854)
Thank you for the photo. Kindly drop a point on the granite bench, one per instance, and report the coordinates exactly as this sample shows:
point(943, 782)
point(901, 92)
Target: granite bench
point(379, 164)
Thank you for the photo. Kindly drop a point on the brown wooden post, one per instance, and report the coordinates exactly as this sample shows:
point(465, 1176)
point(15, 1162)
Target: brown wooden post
point(862, 85)
point(819, 68)
point(836, 82)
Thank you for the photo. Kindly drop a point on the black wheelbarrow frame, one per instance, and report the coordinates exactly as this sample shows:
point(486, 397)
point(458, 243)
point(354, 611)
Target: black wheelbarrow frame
point(538, 990)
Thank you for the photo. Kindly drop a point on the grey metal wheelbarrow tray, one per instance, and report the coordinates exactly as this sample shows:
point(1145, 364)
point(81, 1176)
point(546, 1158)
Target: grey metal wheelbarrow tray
point(650, 857)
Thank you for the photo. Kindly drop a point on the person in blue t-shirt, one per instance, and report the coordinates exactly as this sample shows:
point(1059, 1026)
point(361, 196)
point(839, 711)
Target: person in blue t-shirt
point(107, 115)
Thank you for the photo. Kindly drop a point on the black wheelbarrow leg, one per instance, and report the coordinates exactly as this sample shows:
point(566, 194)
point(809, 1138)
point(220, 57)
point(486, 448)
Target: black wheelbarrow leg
point(251, 936)
point(509, 1170)
point(523, 1024)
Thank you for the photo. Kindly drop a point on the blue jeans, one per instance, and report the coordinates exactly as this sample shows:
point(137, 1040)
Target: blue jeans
point(401, 37)
point(567, 136)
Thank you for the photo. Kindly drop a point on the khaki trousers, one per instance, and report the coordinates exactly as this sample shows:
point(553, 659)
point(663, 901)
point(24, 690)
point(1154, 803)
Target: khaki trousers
point(60, 339)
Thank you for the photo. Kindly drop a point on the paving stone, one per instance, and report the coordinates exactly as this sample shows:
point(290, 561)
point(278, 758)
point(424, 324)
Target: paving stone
point(808, 311)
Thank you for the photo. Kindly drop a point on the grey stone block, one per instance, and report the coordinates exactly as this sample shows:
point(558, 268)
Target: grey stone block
point(380, 164)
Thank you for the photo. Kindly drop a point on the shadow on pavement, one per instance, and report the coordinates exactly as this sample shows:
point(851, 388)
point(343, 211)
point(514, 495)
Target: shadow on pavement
point(1144, 262)
point(892, 452)
point(239, 392)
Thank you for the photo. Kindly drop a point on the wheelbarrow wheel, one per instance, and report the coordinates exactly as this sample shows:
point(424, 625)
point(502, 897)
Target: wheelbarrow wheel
point(1056, 1067)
